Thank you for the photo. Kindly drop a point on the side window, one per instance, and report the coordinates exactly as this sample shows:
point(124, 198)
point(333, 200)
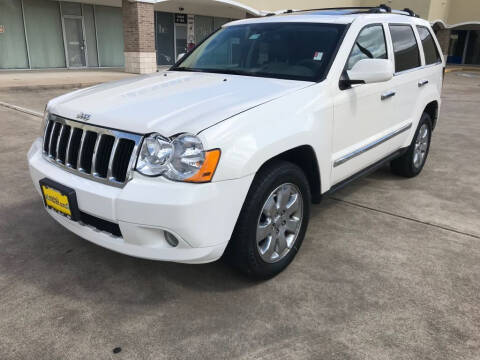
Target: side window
point(407, 55)
point(429, 47)
point(370, 44)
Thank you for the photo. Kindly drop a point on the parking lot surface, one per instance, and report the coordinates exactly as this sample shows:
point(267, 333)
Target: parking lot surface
point(389, 269)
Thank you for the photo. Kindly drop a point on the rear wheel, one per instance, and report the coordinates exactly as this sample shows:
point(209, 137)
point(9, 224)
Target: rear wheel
point(273, 221)
point(411, 163)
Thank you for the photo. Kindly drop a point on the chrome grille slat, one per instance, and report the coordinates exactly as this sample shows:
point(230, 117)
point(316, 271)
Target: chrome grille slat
point(57, 145)
point(63, 137)
point(79, 159)
point(94, 158)
point(112, 156)
point(51, 139)
point(67, 153)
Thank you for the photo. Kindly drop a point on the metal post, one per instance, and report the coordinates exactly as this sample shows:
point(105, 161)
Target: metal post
point(467, 39)
point(26, 37)
point(67, 65)
point(96, 35)
point(84, 37)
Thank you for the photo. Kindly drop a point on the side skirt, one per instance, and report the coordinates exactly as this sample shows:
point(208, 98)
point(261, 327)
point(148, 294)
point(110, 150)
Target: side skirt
point(368, 170)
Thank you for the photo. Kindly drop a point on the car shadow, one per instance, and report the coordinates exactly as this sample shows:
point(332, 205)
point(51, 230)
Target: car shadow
point(38, 250)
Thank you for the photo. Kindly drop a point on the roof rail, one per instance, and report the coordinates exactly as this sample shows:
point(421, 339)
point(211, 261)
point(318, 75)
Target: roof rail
point(410, 12)
point(380, 9)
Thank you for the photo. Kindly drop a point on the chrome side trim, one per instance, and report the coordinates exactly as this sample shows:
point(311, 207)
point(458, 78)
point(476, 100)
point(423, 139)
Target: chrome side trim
point(117, 134)
point(370, 146)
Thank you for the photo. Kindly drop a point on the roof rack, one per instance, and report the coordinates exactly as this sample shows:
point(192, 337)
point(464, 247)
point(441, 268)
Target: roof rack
point(380, 9)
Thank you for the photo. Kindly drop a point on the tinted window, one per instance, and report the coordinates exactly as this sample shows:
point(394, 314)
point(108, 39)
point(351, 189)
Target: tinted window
point(370, 44)
point(300, 51)
point(407, 55)
point(429, 48)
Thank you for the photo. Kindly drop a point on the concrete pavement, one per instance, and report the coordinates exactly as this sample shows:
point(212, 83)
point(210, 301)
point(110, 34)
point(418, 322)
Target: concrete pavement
point(389, 269)
point(62, 78)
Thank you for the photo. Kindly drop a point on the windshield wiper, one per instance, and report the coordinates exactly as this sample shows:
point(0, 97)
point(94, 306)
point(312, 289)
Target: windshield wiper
point(184, 69)
point(216, 71)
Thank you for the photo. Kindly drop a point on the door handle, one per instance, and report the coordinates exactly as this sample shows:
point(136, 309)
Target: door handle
point(422, 83)
point(388, 94)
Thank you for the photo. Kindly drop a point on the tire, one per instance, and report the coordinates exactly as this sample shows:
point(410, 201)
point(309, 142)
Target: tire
point(411, 163)
point(276, 181)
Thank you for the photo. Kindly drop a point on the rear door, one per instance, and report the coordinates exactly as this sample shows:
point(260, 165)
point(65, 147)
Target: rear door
point(430, 82)
point(406, 82)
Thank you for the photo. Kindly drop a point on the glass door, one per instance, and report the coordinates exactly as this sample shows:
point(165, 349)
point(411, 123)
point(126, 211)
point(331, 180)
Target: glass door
point(74, 41)
point(180, 40)
point(164, 37)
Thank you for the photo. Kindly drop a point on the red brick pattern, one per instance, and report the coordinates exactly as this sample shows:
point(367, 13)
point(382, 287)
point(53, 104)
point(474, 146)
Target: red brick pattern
point(138, 26)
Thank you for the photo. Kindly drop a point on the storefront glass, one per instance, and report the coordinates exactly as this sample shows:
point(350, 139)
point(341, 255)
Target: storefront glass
point(164, 35)
point(109, 35)
point(44, 34)
point(13, 50)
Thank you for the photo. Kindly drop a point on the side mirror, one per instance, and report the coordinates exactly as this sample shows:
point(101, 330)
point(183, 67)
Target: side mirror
point(368, 71)
point(180, 56)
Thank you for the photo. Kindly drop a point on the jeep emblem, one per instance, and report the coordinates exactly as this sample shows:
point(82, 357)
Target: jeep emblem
point(83, 116)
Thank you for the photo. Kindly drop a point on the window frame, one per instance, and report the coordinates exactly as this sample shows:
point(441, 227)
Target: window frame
point(343, 74)
point(358, 35)
point(439, 56)
point(420, 50)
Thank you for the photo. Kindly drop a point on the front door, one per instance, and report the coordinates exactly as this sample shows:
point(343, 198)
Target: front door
point(74, 41)
point(362, 119)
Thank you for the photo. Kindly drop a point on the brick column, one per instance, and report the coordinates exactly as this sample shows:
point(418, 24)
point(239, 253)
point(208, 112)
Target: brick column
point(139, 37)
point(443, 37)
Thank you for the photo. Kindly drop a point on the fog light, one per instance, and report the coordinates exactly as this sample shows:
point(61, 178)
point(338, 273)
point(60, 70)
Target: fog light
point(171, 239)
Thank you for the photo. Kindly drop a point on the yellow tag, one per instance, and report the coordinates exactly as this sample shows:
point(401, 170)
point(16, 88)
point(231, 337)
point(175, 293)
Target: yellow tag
point(56, 200)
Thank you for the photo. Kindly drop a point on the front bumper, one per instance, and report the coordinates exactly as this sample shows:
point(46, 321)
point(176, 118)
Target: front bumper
point(201, 216)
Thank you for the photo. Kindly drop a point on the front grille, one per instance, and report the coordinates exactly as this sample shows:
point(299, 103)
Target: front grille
point(94, 152)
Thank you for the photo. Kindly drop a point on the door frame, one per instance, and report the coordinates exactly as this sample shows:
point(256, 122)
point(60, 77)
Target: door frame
point(175, 38)
point(63, 17)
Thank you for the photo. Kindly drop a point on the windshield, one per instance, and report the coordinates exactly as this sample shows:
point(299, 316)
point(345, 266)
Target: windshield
point(297, 51)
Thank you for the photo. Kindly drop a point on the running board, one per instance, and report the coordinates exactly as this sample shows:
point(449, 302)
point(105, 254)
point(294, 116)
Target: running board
point(368, 170)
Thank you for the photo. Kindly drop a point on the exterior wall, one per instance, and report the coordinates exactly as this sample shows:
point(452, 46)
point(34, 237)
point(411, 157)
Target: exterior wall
point(463, 11)
point(439, 10)
point(139, 37)
point(270, 5)
point(421, 7)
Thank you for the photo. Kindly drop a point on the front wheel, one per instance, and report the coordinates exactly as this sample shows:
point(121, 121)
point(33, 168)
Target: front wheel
point(273, 221)
point(411, 163)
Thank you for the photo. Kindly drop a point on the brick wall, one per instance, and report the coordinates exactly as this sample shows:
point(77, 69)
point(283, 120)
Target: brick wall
point(138, 26)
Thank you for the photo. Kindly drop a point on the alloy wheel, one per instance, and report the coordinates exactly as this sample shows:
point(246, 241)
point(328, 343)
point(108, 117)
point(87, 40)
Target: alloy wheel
point(279, 222)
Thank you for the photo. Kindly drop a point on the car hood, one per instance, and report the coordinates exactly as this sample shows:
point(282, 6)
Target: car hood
point(170, 102)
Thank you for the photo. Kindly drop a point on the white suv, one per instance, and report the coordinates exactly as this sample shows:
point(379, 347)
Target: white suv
point(225, 151)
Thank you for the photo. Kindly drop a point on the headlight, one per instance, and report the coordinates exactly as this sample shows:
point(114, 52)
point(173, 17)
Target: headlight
point(182, 159)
